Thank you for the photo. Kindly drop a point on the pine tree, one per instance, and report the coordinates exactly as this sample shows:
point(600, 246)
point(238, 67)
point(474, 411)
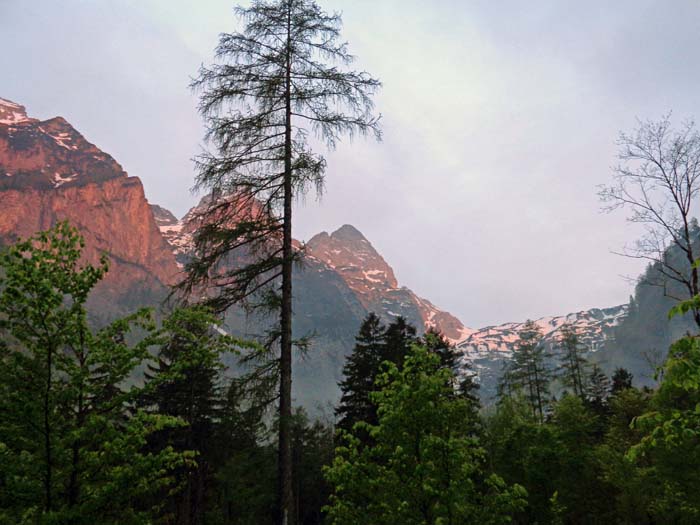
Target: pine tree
point(621, 380)
point(529, 368)
point(598, 387)
point(573, 366)
point(282, 76)
point(184, 382)
point(359, 373)
point(398, 338)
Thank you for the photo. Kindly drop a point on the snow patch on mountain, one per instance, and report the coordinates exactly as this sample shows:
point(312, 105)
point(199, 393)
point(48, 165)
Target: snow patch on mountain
point(12, 113)
point(60, 180)
point(594, 326)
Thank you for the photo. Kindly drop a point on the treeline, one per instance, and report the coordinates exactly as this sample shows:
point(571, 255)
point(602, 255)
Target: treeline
point(420, 450)
point(139, 422)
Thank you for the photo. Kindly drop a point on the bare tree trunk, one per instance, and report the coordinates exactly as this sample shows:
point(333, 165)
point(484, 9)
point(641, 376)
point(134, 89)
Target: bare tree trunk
point(285, 408)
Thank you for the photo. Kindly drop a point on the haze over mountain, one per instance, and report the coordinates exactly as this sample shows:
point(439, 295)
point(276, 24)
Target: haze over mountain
point(493, 167)
point(50, 172)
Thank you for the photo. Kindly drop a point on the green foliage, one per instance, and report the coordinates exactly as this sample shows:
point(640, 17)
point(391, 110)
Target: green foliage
point(555, 461)
point(669, 451)
point(423, 465)
point(71, 440)
point(621, 380)
point(375, 344)
point(523, 451)
point(185, 382)
point(359, 373)
point(628, 493)
point(598, 388)
point(312, 449)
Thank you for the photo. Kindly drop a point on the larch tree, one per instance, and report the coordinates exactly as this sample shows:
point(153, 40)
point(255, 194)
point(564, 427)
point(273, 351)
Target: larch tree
point(283, 77)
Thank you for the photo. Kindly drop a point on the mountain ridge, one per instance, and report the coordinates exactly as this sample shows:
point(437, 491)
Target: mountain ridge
point(50, 172)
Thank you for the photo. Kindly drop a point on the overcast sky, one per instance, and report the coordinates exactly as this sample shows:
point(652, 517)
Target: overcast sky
point(499, 118)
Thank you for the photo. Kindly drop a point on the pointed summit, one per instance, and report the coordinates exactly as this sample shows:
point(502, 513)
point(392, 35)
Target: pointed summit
point(347, 232)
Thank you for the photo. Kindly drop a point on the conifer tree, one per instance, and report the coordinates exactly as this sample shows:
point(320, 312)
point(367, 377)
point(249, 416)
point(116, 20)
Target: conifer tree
point(598, 387)
point(462, 377)
point(359, 374)
point(398, 338)
point(506, 387)
point(185, 382)
point(245, 487)
point(437, 343)
point(375, 345)
point(573, 366)
point(283, 76)
point(621, 380)
point(529, 368)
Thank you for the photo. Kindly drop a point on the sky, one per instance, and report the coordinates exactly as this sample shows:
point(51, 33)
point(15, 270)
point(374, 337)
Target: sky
point(499, 121)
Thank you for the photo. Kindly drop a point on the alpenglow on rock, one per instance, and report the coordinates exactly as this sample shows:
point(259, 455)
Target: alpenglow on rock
point(49, 172)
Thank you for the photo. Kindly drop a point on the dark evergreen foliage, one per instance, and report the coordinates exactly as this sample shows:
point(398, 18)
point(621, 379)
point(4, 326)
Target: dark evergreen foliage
point(621, 380)
point(359, 374)
point(573, 367)
point(528, 372)
point(184, 382)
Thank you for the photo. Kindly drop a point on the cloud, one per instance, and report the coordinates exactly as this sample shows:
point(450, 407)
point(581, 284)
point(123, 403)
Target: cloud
point(499, 117)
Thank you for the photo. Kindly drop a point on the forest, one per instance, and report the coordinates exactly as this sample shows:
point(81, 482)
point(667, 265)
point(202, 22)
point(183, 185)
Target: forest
point(167, 416)
point(139, 422)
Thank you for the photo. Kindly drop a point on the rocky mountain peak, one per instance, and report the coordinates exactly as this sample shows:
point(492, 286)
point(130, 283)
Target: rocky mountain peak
point(48, 154)
point(12, 113)
point(49, 172)
point(162, 216)
point(348, 252)
point(347, 232)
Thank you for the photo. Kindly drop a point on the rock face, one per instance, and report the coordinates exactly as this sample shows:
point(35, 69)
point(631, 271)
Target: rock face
point(366, 273)
point(50, 173)
point(351, 257)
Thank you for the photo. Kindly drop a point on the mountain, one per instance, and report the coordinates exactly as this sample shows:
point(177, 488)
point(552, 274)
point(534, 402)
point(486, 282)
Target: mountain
point(348, 254)
point(341, 280)
point(641, 341)
point(369, 276)
point(487, 349)
point(50, 172)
